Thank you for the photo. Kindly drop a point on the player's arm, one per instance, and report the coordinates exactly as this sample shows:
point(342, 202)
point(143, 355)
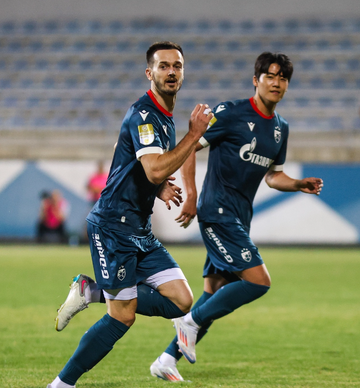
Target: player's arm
point(187, 170)
point(280, 181)
point(159, 166)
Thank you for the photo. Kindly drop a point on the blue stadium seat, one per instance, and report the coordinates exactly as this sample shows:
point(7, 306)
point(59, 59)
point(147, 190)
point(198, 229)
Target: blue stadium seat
point(336, 25)
point(115, 83)
point(51, 27)
point(3, 64)
point(240, 64)
point(247, 26)
point(21, 64)
point(353, 63)
point(41, 64)
point(314, 25)
point(115, 26)
point(233, 45)
point(36, 45)
point(225, 25)
point(64, 64)
point(54, 102)
point(30, 27)
point(330, 64)
point(301, 44)
point(15, 45)
point(73, 26)
point(291, 25)
point(95, 26)
point(306, 64)
point(8, 27)
point(85, 64)
point(339, 83)
point(301, 102)
point(92, 82)
point(122, 46)
point(26, 82)
point(57, 45)
point(107, 64)
point(32, 102)
point(79, 45)
point(10, 102)
point(269, 26)
point(325, 101)
point(101, 45)
point(49, 82)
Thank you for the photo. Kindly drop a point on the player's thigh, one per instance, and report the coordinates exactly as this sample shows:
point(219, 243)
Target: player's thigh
point(229, 247)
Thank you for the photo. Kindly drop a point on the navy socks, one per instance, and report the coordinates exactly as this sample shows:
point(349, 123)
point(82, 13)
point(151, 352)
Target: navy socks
point(151, 303)
point(95, 344)
point(210, 307)
point(226, 300)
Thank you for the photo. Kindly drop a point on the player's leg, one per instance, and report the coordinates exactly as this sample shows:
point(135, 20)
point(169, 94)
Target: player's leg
point(165, 366)
point(121, 304)
point(224, 253)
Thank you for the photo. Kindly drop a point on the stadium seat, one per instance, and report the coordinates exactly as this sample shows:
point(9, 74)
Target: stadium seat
point(30, 27)
point(330, 64)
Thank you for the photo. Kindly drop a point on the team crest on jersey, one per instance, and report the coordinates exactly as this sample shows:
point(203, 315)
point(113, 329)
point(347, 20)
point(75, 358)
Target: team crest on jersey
point(246, 255)
point(121, 274)
point(146, 134)
point(277, 134)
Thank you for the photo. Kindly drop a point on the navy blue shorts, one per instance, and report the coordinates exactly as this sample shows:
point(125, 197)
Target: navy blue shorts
point(122, 260)
point(229, 249)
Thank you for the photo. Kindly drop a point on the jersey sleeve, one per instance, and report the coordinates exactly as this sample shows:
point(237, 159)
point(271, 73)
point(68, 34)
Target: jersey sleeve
point(218, 125)
point(279, 161)
point(145, 134)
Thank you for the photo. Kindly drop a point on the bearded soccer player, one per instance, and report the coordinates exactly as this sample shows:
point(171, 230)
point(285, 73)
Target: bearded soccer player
point(248, 141)
point(123, 248)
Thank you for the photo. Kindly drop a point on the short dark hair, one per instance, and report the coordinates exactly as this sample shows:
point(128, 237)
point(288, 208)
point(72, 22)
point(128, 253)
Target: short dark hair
point(166, 45)
point(265, 59)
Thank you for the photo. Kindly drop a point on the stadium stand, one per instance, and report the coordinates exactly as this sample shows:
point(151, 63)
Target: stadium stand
point(77, 75)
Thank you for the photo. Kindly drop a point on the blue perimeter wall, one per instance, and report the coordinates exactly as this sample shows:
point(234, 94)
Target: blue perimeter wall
point(279, 218)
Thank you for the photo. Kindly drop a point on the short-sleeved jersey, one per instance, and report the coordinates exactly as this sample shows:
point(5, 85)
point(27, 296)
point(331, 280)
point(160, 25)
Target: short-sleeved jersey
point(126, 202)
point(244, 144)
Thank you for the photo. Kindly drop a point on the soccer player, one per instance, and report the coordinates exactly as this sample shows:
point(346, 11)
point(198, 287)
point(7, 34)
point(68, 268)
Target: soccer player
point(248, 141)
point(123, 248)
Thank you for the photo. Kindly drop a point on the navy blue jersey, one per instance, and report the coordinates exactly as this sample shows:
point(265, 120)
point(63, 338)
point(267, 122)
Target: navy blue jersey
point(244, 144)
point(126, 202)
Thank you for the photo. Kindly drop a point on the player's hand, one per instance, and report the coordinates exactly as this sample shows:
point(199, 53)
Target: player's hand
point(170, 192)
point(199, 120)
point(311, 185)
point(188, 213)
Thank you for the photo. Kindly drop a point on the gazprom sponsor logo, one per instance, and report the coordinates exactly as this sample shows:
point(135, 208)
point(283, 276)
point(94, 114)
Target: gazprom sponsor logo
point(212, 236)
point(246, 154)
point(102, 260)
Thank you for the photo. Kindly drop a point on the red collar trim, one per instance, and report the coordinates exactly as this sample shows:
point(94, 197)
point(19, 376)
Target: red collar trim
point(154, 100)
point(252, 102)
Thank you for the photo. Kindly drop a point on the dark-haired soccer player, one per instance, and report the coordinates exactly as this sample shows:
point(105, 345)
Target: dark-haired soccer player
point(248, 142)
point(123, 248)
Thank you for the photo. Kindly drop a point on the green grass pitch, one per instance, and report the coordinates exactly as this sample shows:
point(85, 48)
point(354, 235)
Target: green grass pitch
point(303, 333)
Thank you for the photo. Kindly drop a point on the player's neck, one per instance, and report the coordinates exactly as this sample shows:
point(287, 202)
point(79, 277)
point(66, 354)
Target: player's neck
point(166, 101)
point(267, 108)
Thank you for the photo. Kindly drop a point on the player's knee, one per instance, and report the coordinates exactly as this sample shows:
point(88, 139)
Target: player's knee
point(185, 302)
point(127, 319)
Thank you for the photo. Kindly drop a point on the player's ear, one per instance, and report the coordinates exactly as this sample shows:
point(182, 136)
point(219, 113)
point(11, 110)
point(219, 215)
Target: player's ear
point(148, 73)
point(255, 81)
